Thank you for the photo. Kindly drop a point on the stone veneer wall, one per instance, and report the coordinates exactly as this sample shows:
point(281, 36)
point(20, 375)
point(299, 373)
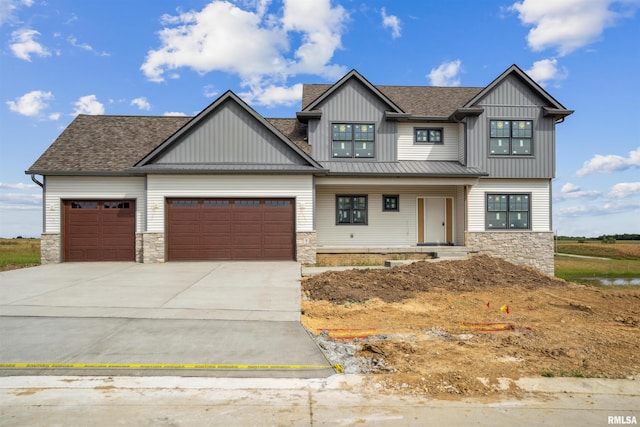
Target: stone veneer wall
point(152, 248)
point(50, 248)
point(306, 247)
point(139, 247)
point(534, 249)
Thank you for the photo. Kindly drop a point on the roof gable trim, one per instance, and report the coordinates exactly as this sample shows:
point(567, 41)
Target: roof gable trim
point(353, 74)
point(227, 96)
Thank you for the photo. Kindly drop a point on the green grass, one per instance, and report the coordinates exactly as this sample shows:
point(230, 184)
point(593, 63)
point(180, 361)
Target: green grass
point(17, 253)
point(624, 261)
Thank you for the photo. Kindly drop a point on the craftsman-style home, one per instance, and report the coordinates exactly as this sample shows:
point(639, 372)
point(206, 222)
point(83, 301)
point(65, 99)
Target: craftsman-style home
point(361, 168)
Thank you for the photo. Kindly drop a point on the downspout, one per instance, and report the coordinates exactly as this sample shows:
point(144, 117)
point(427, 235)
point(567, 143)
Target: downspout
point(41, 185)
point(33, 178)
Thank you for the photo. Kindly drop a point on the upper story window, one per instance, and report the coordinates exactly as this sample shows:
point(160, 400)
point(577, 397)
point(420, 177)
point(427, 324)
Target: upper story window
point(428, 136)
point(511, 138)
point(353, 140)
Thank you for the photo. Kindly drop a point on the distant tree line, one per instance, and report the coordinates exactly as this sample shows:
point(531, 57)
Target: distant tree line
point(605, 238)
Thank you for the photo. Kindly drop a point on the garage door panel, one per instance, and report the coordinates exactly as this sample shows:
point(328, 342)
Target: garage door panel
point(277, 227)
point(98, 230)
point(247, 216)
point(210, 229)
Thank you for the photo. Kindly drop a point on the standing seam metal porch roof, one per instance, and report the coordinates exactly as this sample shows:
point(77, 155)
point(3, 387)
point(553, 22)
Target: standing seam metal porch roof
point(404, 168)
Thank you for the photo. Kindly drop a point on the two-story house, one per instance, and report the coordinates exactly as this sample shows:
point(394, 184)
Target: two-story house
point(362, 168)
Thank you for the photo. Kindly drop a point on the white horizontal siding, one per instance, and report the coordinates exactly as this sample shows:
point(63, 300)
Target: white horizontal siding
point(540, 204)
point(299, 187)
point(383, 228)
point(60, 188)
point(409, 150)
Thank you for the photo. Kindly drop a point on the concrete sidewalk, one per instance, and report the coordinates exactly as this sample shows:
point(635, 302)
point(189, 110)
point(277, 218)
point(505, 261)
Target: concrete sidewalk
point(122, 314)
point(337, 400)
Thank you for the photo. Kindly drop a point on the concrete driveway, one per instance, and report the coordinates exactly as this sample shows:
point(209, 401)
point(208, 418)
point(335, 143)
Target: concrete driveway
point(225, 315)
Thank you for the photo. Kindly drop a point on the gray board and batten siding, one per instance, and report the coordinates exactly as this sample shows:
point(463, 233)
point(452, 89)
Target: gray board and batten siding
point(353, 103)
point(513, 99)
point(209, 142)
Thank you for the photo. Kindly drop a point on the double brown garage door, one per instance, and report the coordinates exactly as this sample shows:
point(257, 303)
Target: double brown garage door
point(230, 229)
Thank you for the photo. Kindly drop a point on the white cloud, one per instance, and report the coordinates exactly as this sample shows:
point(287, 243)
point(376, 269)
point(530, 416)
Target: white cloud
point(8, 7)
point(18, 186)
point(598, 209)
point(446, 74)
point(625, 189)
point(174, 113)
point(31, 104)
point(141, 103)
point(392, 22)
point(274, 95)
point(572, 191)
point(73, 41)
point(253, 44)
point(21, 198)
point(610, 163)
point(23, 44)
point(88, 104)
point(547, 70)
point(210, 91)
point(567, 25)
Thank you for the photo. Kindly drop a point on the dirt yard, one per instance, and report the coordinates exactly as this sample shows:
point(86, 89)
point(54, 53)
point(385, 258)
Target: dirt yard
point(459, 328)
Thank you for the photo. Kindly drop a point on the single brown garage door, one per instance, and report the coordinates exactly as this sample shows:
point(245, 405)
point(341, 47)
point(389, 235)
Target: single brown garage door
point(99, 230)
point(230, 229)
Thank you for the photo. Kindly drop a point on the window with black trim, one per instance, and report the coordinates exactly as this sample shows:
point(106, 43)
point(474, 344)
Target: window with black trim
point(353, 140)
point(391, 203)
point(511, 137)
point(429, 136)
point(351, 209)
point(508, 211)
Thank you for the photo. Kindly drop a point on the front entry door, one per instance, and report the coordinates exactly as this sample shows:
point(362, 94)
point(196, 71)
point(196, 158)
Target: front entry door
point(435, 220)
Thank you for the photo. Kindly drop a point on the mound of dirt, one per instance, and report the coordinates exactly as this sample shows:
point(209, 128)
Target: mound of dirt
point(396, 284)
point(470, 328)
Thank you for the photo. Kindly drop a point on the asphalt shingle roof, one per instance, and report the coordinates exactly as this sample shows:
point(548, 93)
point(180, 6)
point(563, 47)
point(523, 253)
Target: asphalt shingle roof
point(428, 101)
point(113, 144)
point(106, 143)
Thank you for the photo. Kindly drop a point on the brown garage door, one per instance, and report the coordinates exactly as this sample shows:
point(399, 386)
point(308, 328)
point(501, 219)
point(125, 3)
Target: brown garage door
point(230, 229)
point(99, 230)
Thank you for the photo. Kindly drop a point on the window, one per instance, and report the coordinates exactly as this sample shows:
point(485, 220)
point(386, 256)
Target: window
point(390, 203)
point(511, 137)
point(84, 205)
point(351, 209)
point(277, 203)
point(247, 203)
point(428, 136)
point(508, 211)
point(215, 203)
point(353, 140)
point(184, 203)
point(116, 205)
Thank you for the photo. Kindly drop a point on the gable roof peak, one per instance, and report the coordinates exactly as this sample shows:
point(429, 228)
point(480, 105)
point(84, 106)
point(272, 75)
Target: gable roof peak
point(513, 69)
point(353, 74)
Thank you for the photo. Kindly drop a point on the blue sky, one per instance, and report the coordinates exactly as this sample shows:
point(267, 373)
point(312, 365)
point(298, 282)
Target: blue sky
point(59, 58)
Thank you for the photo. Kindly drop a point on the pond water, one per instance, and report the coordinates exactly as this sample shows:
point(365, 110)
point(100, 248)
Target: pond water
point(628, 281)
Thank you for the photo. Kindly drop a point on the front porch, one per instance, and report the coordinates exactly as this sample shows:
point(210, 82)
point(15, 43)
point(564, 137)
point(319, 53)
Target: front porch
point(433, 251)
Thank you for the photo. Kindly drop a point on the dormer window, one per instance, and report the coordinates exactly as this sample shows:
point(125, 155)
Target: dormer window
point(428, 136)
point(511, 137)
point(353, 140)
